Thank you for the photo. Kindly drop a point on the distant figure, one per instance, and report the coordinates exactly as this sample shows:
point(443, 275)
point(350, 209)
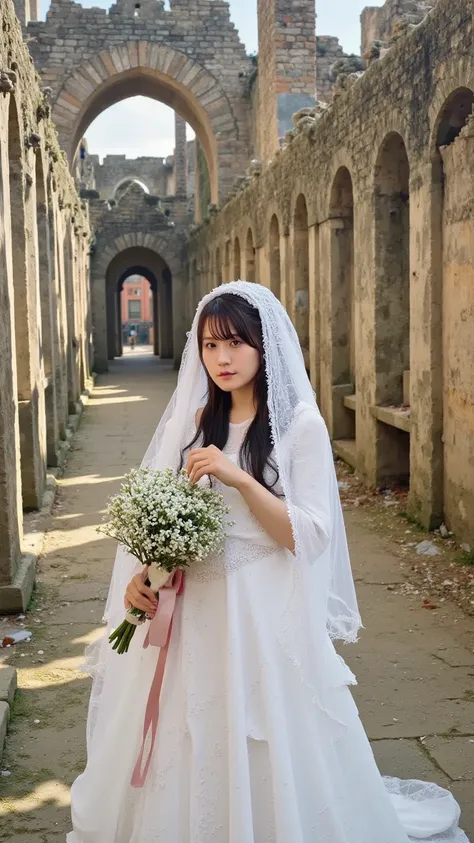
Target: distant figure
point(132, 338)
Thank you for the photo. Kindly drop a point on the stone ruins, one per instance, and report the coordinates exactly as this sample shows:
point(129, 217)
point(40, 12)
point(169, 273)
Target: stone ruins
point(343, 182)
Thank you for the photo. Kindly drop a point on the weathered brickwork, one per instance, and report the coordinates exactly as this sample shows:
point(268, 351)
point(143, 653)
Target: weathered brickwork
point(383, 217)
point(191, 58)
point(328, 52)
point(44, 294)
point(287, 67)
point(388, 22)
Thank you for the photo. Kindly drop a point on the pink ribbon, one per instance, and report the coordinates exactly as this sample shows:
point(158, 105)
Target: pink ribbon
point(159, 635)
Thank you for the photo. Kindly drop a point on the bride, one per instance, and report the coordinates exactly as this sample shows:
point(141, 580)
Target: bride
point(258, 737)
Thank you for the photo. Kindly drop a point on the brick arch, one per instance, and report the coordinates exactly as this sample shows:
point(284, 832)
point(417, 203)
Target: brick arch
point(160, 72)
point(154, 242)
point(139, 180)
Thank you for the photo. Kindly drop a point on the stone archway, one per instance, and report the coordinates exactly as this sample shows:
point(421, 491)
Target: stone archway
point(125, 183)
point(158, 71)
point(159, 315)
point(150, 265)
point(110, 261)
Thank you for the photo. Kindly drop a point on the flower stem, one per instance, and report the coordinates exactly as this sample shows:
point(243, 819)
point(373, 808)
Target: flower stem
point(121, 637)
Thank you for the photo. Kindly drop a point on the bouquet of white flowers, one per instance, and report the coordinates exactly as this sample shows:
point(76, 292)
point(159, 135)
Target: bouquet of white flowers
point(166, 522)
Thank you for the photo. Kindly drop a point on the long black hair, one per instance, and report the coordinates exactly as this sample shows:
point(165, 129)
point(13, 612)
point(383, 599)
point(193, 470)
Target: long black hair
point(230, 315)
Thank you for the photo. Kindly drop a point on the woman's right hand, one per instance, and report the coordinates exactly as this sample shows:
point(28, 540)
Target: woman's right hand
point(139, 595)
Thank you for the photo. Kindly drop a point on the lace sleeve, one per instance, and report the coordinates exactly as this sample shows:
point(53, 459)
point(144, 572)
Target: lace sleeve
point(311, 474)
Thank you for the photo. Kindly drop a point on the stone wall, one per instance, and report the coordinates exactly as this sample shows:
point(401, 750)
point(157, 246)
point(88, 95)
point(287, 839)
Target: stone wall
point(383, 23)
point(328, 51)
point(286, 67)
point(346, 226)
point(44, 295)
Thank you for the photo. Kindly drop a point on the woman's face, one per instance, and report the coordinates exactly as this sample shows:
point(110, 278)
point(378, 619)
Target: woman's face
point(231, 363)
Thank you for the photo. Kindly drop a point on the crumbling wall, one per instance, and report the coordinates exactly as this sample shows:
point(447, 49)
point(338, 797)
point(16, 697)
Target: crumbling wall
point(44, 313)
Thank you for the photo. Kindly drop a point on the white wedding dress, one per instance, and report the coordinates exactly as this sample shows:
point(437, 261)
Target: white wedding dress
point(245, 752)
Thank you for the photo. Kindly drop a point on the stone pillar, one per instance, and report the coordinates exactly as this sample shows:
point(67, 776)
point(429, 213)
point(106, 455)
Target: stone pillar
point(70, 265)
point(58, 374)
point(262, 260)
point(156, 321)
point(62, 309)
point(426, 285)
point(84, 369)
point(111, 321)
point(314, 308)
point(197, 185)
point(285, 263)
point(99, 305)
point(165, 316)
point(30, 373)
point(286, 67)
point(49, 349)
point(10, 479)
point(118, 324)
point(179, 318)
point(180, 157)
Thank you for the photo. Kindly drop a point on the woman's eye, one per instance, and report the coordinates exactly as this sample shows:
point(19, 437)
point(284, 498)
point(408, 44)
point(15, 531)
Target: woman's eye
point(235, 343)
point(210, 345)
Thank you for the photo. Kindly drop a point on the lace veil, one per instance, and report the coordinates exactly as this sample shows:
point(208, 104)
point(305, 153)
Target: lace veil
point(330, 580)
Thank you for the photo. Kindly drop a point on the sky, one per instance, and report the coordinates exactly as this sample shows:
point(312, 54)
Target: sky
point(140, 126)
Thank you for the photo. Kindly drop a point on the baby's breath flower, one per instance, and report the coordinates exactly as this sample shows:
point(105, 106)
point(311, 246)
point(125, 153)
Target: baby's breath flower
point(164, 520)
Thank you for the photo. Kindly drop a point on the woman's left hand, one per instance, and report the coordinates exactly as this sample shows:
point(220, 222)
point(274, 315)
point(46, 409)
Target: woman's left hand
point(211, 460)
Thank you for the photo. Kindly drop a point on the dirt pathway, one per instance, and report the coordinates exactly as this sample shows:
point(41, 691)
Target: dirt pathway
point(415, 667)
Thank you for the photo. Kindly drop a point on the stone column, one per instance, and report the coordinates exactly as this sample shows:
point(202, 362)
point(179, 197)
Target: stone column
point(197, 185)
point(165, 313)
point(111, 321)
point(48, 345)
point(60, 386)
point(314, 307)
point(70, 264)
point(62, 313)
point(179, 318)
point(30, 373)
point(285, 263)
point(262, 261)
point(118, 324)
point(426, 286)
point(180, 157)
point(10, 480)
point(156, 321)
point(99, 323)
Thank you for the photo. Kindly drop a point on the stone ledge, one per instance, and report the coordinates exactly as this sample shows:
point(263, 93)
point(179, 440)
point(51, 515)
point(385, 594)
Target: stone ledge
point(14, 598)
point(393, 416)
point(346, 450)
point(8, 684)
point(350, 402)
point(4, 718)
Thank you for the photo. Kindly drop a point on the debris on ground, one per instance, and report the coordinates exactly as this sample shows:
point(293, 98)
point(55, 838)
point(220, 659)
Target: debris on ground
point(15, 636)
point(427, 548)
point(446, 572)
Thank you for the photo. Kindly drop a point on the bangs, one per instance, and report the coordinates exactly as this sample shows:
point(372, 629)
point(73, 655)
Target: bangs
point(228, 316)
point(220, 326)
